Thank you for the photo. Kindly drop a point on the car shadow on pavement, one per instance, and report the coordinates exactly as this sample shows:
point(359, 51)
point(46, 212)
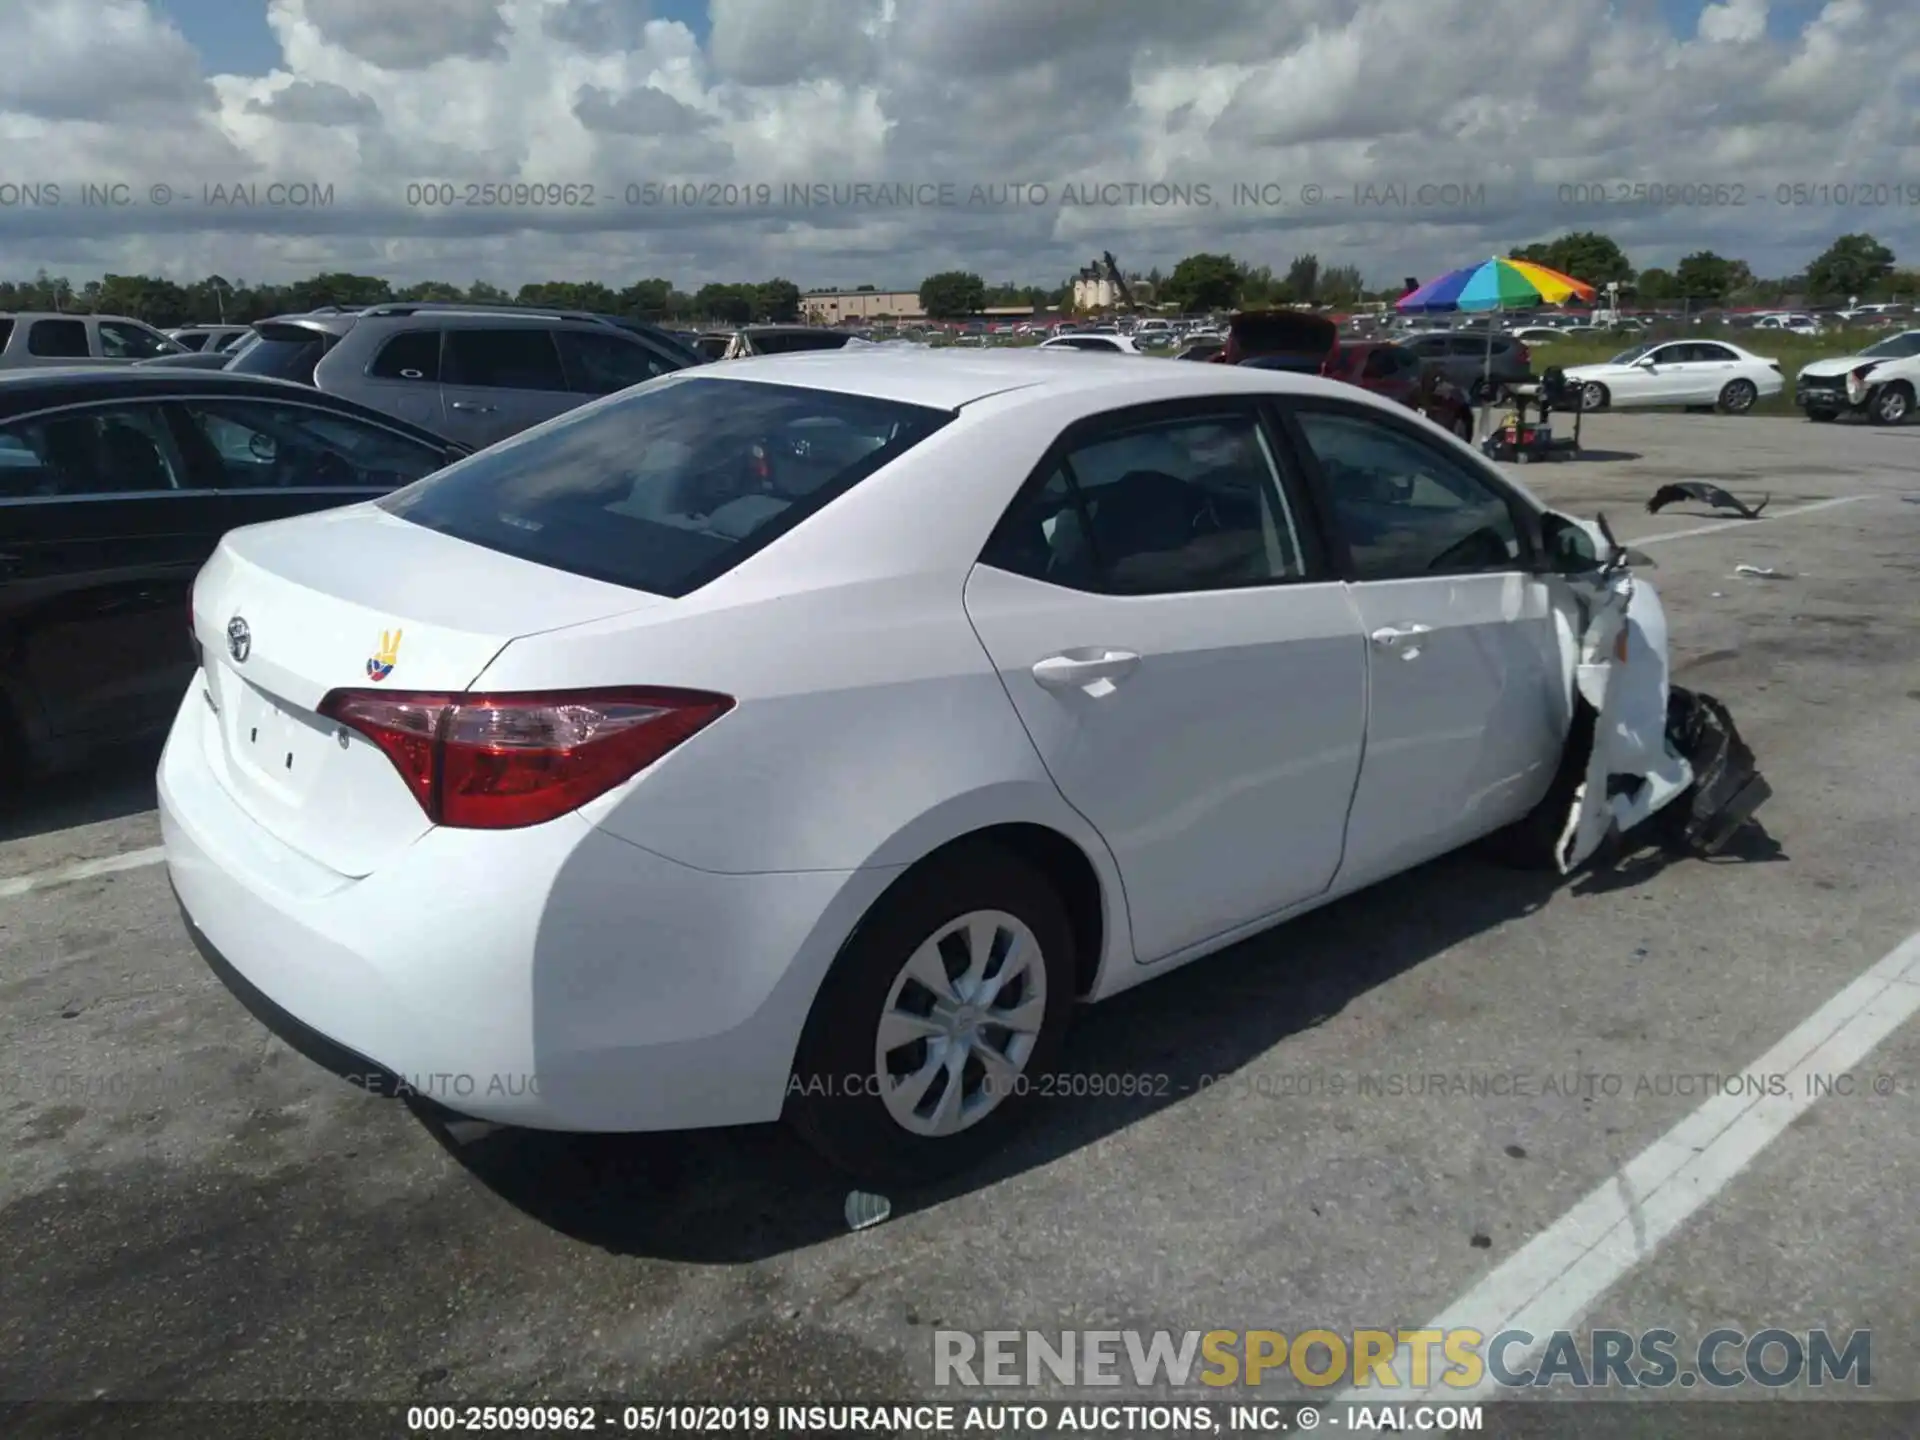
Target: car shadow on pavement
point(730, 1196)
point(110, 787)
point(1602, 457)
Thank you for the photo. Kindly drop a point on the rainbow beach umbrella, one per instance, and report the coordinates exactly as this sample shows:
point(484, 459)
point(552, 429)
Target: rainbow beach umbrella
point(1495, 284)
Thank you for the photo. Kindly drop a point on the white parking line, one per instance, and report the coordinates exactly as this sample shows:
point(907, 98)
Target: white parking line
point(1736, 524)
point(82, 870)
point(1552, 1280)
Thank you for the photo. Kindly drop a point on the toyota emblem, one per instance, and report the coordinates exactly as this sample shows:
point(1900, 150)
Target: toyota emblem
point(239, 640)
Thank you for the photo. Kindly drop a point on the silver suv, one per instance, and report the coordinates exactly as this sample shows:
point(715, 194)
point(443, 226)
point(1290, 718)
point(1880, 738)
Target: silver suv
point(475, 374)
point(29, 340)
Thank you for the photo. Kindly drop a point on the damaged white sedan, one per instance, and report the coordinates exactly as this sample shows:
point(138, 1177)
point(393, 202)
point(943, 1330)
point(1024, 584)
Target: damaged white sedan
point(805, 736)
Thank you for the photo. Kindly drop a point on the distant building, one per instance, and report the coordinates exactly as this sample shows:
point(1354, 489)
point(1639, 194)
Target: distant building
point(830, 307)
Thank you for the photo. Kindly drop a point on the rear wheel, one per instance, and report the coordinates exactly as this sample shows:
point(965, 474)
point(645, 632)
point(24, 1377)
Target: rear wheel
point(1593, 396)
point(1737, 396)
point(1892, 404)
point(937, 1023)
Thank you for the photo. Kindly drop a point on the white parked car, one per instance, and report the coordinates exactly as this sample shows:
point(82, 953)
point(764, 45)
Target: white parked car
point(805, 736)
point(1789, 324)
point(1111, 344)
point(1679, 372)
point(1880, 382)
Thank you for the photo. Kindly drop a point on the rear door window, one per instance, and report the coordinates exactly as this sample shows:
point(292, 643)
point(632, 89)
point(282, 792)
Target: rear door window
point(601, 362)
point(58, 339)
point(103, 450)
point(521, 358)
point(120, 340)
point(284, 352)
point(6, 332)
point(414, 355)
point(668, 487)
point(258, 444)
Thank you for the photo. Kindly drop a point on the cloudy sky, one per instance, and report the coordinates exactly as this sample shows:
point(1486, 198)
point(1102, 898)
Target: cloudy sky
point(699, 127)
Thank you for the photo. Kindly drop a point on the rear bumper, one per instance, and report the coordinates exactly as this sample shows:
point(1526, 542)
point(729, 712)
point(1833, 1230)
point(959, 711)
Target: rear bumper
point(555, 977)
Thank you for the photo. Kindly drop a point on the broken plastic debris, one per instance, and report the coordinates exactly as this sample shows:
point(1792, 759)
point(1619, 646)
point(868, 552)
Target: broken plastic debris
point(1761, 572)
point(865, 1211)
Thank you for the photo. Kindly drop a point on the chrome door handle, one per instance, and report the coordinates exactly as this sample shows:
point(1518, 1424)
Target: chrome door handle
point(1070, 672)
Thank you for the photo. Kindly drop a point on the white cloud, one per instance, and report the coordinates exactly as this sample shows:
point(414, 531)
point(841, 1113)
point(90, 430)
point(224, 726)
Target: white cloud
point(374, 96)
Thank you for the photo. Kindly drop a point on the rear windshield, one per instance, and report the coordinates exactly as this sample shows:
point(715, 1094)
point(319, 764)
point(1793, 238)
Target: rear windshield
point(783, 342)
point(284, 354)
point(669, 486)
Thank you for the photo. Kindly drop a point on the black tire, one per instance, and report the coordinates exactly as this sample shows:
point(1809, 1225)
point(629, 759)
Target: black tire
point(1529, 843)
point(1594, 396)
point(846, 1123)
point(1823, 417)
point(1737, 397)
point(1891, 404)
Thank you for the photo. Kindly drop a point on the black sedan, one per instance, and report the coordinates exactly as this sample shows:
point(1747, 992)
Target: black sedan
point(115, 486)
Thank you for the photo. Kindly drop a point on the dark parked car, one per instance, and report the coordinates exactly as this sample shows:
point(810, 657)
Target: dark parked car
point(115, 486)
point(1466, 357)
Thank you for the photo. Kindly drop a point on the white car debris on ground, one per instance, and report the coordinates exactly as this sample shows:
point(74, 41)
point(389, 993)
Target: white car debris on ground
point(1880, 382)
point(1679, 372)
point(1128, 663)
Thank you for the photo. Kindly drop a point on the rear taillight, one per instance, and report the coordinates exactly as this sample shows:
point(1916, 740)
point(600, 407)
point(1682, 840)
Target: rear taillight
point(498, 762)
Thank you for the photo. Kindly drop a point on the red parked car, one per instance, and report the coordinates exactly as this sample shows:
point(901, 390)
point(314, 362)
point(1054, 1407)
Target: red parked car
point(1397, 373)
point(1301, 341)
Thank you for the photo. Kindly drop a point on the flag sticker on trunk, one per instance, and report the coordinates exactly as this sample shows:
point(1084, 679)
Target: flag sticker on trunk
point(383, 660)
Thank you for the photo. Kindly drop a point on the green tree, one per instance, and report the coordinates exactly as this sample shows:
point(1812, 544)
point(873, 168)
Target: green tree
point(349, 292)
point(1852, 265)
point(647, 299)
point(1583, 254)
point(1205, 282)
point(432, 292)
point(1706, 276)
point(779, 300)
point(1657, 286)
point(953, 295)
point(1303, 279)
point(732, 304)
point(1342, 285)
point(481, 293)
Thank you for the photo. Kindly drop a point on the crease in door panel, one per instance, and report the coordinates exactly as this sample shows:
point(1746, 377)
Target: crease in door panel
point(1120, 877)
point(1366, 725)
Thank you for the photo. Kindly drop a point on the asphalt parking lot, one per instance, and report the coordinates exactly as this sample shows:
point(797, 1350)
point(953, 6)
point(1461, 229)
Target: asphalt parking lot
point(189, 1209)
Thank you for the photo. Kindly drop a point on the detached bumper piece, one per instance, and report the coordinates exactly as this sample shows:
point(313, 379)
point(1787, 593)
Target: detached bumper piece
point(1728, 786)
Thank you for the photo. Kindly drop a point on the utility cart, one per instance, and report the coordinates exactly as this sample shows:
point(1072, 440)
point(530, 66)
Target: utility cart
point(1526, 432)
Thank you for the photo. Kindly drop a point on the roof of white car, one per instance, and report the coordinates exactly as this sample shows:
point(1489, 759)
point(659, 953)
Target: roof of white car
point(949, 379)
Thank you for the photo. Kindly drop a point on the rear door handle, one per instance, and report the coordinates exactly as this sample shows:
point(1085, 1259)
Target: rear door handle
point(1084, 669)
point(1404, 639)
point(477, 409)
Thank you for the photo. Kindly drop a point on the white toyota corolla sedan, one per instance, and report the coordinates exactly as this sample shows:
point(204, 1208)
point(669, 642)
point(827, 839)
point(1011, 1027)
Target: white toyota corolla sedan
point(806, 737)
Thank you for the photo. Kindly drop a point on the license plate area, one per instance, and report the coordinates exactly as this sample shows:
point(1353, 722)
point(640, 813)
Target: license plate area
point(277, 745)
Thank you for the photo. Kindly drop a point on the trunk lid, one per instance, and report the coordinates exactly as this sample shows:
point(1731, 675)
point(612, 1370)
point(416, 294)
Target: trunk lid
point(354, 599)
